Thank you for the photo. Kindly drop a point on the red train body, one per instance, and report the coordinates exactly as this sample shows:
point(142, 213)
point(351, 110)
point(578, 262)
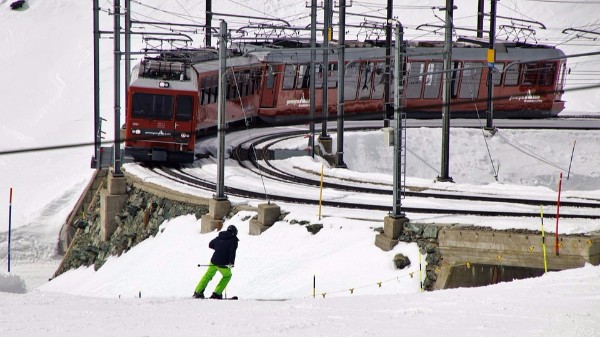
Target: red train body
point(170, 101)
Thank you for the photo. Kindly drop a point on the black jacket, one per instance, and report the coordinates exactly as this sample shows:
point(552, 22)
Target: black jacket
point(225, 246)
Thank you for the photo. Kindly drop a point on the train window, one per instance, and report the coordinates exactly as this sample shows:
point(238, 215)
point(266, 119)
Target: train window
point(152, 106)
point(289, 76)
point(214, 90)
point(332, 79)
point(379, 81)
point(511, 75)
point(350, 82)
point(456, 65)
point(205, 92)
point(471, 77)
point(497, 73)
point(414, 79)
point(270, 82)
point(303, 76)
point(319, 74)
point(433, 80)
point(366, 76)
point(547, 73)
point(530, 71)
point(184, 108)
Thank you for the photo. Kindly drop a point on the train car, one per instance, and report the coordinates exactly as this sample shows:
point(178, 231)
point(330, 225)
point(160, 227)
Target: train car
point(243, 83)
point(528, 82)
point(172, 98)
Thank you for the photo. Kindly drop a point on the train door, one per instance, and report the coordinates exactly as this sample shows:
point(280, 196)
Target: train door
point(268, 98)
point(184, 124)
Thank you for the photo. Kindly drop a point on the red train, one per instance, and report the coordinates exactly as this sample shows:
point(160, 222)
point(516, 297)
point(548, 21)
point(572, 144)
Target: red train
point(173, 98)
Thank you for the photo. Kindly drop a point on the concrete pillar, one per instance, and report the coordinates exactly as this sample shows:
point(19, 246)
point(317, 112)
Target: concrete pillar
point(326, 143)
point(268, 214)
point(217, 210)
point(392, 229)
point(112, 200)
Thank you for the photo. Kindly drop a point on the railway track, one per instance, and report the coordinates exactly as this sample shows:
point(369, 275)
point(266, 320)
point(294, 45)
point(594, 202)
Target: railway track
point(252, 156)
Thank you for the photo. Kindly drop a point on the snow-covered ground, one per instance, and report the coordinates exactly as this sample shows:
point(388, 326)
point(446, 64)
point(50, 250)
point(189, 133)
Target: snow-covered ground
point(47, 86)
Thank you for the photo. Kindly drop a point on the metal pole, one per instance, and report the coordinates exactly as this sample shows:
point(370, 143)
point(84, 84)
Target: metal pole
point(387, 76)
point(480, 9)
point(313, 74)
point(398, 70)
point(117, 66)
point(326, 27)
point(340, 90)
point(221, 110)
point(9, 226)
point(491, 58)
point(208, 23)
point(127, 47)
point(444, 173)
point(97, 132)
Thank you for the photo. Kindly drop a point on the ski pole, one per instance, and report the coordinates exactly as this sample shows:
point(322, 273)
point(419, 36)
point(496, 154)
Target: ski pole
point(200, 265)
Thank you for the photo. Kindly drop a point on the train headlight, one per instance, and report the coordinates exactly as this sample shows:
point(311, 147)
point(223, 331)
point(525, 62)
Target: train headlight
point(185, 135)
point(163, 84)
point(136, 131)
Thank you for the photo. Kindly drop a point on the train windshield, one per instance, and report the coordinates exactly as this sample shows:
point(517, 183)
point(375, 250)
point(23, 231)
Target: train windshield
point(152, 106)
point(184, 108)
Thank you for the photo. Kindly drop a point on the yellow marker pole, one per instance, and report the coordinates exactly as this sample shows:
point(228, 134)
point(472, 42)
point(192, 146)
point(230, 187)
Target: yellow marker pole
point(321, 192)
point(314, 285)
point(543, 240)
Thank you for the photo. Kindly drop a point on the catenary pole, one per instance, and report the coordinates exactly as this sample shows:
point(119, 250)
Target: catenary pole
point(326, 28)
point(97, 132)
point(444, 172)
point(220, 193)
point(387, 76)
point(127, 47)
point(491, 57)
point(313, 74)
point(339, 163)
point(208, 27)
point(117, 79)
point(398, 71)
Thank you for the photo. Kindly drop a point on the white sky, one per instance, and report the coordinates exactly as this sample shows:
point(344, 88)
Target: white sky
point(282, 262)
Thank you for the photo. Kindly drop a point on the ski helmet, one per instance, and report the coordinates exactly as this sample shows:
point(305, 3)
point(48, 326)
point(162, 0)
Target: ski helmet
point(232, 229)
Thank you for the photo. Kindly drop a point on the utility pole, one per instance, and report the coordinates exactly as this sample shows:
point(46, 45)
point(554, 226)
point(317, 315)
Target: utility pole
point(117, 79)
point(339, 162)
point(326, 35)
point(220, 193)
point(313, 74)
point(491, 59)
point(444, 172)
point(387, 109)
point(208, 25)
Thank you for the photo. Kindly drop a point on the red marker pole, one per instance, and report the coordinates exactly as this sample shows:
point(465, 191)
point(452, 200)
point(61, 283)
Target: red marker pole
point(9, 226)
point(558, 213)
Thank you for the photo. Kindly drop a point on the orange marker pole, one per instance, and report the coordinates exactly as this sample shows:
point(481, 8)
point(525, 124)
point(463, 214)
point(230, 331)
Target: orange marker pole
point(558, 213)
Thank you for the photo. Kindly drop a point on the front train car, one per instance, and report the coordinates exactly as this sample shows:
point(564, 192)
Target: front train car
point(161, 111)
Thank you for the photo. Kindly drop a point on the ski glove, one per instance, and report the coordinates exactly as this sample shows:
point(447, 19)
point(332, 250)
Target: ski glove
point(230, 266)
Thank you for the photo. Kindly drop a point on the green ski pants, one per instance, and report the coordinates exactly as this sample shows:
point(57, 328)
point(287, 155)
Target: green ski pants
point(208, 276)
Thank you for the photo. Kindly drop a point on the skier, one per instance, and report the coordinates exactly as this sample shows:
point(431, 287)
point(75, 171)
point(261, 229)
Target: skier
point(223, 259)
